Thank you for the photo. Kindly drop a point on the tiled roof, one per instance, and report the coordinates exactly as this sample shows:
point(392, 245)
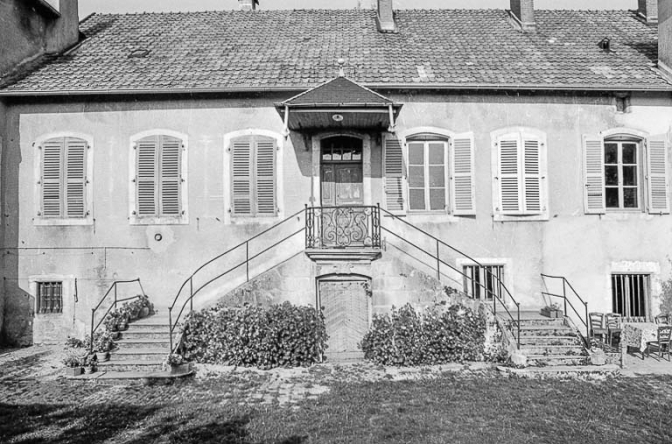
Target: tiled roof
point(299, 49)
point(339, 91)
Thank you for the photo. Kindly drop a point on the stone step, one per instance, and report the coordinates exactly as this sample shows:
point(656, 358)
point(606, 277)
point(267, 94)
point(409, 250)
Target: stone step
point(142, 343)
point(146, 334)
point(549, 340)
point(139, 354)
point(137, 365)
point(551, 350)
point(542, 321)
point(543, 360)
point(145, 325)
point(544, 330)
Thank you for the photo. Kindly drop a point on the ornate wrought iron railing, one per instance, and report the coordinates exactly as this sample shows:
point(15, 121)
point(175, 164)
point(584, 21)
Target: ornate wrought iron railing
point(343, 227)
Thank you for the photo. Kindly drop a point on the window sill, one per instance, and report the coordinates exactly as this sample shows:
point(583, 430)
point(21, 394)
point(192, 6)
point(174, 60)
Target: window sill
point(432, 217)
point(182, 220)
point(43, 222)
point(244, 220)
point(499, 217)
point(627, 215)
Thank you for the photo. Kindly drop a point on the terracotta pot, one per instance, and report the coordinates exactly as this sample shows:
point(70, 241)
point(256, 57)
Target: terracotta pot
point(88, 370)
point(100, 357)
point(179, 369)
point(144, 312)
point(74, 371)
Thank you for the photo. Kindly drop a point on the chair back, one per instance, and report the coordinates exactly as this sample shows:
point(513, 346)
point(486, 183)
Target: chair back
point(613, 320)
point(664, 334)
point(662, 319)
point(596, 320)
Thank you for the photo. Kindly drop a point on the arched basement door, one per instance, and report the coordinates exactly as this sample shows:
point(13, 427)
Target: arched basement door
point(345, 304)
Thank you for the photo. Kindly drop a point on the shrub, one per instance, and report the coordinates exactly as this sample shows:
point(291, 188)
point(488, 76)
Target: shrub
point(283, 335)
point(440, 335)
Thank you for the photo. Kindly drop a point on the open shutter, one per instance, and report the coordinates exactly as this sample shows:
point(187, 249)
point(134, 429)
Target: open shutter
point(656, 162)
point(170, 154)
point(241, 174)
point(146, 176)
point(509, 175)
point(532, 185)
point(462, 175)
point(394, 174)
point(75, 177)
point(265, 176)
point(52, 177)
point(593, 167)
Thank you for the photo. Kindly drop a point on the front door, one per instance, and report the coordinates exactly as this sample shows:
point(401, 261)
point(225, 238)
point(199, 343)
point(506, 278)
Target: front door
point(341, 174)
point(345, 306)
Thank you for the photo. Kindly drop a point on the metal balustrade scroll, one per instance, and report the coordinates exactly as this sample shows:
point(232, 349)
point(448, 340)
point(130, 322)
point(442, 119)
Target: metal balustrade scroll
point(343, 227)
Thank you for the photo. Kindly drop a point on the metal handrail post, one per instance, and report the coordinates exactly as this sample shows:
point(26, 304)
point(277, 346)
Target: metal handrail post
point(518, 338)
point(438, 262)
point(247, 261)
point(115, 295)
point(93, 312)
point(191, 293)
point(564, 293)
point(170, 329)
point(585, 304)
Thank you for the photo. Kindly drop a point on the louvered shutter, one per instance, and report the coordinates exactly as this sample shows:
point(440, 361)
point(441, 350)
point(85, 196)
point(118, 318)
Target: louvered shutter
point(532, 175)
point(593, 167)
point(394, 174)
point(509, 174)
point(656, 162)
point(265, 176)
point(75, 177)
point(241, 175)
point(52, 177)
point(462, 175)
point(146, 175)
point(170, 153)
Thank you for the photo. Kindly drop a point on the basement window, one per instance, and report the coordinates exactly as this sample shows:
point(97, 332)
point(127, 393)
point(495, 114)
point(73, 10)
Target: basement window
point(483, 282)
point(49, 297)
point(630, 294)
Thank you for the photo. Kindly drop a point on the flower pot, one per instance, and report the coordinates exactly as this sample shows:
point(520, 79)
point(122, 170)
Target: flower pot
point(179, 369)
point(74, 371)
point(144, 312)
point(551, 313)
point(102, 356)
point(116, 335)
point(90, 369)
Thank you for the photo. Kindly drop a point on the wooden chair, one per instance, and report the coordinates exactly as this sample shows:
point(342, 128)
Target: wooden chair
point(597, 327)
point(613, 321)
point(662, 319)
point(663, 343)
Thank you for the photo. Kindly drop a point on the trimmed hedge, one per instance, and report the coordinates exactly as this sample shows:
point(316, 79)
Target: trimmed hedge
point(440, 335)
point(283, 335)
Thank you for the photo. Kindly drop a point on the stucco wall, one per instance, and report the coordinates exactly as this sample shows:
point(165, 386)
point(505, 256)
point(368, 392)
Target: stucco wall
point(3, 139)
point(27, 31)
point(583, 248)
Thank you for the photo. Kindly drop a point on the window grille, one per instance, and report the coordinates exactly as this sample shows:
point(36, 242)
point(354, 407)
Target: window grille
point(629, 293)
point(483, 282)
point(50, 297)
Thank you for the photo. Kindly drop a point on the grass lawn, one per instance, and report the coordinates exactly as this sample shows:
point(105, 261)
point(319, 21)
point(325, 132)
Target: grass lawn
point(450, 409)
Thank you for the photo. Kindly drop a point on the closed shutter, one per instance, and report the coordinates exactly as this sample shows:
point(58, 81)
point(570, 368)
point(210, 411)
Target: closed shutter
point(532, 176)
point(394, 174)
point(656, 162)
point(146, 175)
point(170, 153)
point(52, 176)
point(509, 175)
point(462, 175)
point(241, 175)
point(265, 176)
point(593, 167)
point(75, 177)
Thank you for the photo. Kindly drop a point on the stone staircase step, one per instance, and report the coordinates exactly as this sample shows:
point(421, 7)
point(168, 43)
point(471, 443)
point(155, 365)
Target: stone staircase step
point(544, 330)
point(551, 350)
point(146, 334)
point(142, 354)
point(549, 340)
point(542, 321)
point(137, 365)
point(143, 343)
point(543, 360)
point(145, 325)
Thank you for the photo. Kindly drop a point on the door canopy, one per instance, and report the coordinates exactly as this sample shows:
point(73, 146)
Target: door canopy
point(339, 104)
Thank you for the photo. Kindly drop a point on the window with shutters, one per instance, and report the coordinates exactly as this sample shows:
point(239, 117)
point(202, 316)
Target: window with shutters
point(63, 171)
point(159, 191)
point(254, 176)
point(625, 172)
point(435, 174)
point(519, 175)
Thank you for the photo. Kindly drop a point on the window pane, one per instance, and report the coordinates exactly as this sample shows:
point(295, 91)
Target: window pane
point(629, 153)
point(437, 199)
point(629, 175)
point(436, 153)
point(416, 199)
point(610, 153)
point(611, 175)
point(416, 176)
point(611, 196)
point(630, 197)
point(416, 154)
point(437, 176)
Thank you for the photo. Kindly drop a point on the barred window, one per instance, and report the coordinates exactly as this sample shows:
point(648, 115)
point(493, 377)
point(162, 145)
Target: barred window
point(50, 297)
point(483, 282)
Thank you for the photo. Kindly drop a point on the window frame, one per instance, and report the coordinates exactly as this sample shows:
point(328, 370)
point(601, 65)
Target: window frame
point(134, 217)
point(426, 139)
point(67, 292)
point(640, 168)
point(521, 134)
point(646, 293)
point(503, 262)
point(39, 219)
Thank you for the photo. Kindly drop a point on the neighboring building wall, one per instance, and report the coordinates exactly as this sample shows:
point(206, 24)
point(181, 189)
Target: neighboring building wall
point(3, 140)
point(31, 28)
point(578, 246)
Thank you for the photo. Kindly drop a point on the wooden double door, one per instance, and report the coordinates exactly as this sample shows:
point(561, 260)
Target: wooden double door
point(345, 304)
point(341, 172)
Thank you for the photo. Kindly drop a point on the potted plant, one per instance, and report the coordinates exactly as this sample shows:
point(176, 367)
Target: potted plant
point(113, 323)
point(102, 344)
point(552, 310)
point(90, 366)
point(177, 364)
point(145, 307)
point(73, 364)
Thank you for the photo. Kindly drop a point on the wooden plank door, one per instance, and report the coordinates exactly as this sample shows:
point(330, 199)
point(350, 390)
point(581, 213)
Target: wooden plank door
point(345, 306)
point(342, 185)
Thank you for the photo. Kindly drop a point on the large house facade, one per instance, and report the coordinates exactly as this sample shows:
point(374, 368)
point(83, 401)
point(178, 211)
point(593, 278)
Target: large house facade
point(534, 142)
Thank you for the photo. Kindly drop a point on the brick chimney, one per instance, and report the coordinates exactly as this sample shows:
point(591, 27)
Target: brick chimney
point(648, 11)
point(248, 5)
point(385, 16)
point(665, 36)
point(522, 12)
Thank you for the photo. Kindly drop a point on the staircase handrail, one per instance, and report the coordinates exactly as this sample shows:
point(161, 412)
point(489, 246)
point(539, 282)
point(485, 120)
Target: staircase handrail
point(500, 284)
point(190, 280)
point(113, 305)
point(565, 284)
